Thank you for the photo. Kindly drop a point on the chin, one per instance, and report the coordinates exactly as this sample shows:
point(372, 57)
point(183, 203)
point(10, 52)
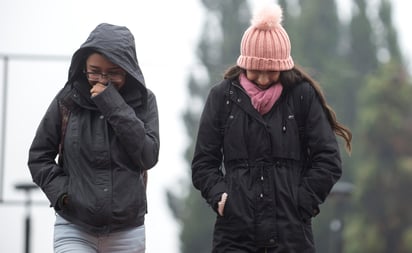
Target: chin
point(265, 87)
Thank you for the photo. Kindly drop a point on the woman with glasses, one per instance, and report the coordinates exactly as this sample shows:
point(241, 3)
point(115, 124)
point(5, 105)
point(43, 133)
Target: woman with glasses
point(103, 125)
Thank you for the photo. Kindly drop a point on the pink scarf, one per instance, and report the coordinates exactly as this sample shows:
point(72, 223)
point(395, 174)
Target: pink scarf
point(262, 100)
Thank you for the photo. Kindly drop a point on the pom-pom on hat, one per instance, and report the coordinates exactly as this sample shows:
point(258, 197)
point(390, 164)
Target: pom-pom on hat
point(265, 44)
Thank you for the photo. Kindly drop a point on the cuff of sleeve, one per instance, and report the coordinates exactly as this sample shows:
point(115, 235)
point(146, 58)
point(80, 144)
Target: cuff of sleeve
point(108, 99)
point(215, 194)
point(60, 202)
point(306, 205)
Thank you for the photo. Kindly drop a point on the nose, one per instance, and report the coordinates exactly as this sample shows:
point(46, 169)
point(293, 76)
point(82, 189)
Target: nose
point(263, 79)
point(104, 79)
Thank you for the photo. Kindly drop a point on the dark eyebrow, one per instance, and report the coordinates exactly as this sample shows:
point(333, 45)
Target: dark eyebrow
point(111, 69)
point(116, 68)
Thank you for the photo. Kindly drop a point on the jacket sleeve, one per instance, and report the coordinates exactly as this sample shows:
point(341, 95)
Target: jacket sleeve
point(46, 173)
point(324, 168)
point(140, 137)
point(207, 159)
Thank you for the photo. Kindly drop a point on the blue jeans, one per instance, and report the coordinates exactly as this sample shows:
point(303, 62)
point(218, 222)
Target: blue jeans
point(69, 238)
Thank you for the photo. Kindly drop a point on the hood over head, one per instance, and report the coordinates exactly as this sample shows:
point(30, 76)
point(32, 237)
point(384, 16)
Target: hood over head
point(117, 44)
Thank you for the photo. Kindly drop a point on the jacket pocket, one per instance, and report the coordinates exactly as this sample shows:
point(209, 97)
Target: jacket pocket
point(239, 203)
point(84, 200)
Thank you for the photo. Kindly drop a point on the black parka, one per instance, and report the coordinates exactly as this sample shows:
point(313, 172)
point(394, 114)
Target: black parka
point(110, 139)
point(272, 192)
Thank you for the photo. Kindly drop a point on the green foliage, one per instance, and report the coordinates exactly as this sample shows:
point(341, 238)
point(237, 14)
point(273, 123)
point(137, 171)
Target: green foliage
point(385, 170)
point(359, 239)
point(197, 225)
point(363, 53)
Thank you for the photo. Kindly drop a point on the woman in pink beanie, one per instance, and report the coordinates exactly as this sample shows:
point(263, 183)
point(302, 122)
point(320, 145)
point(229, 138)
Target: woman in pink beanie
point(269, 124)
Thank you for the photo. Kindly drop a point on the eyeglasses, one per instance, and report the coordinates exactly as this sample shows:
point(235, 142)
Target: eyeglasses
point(97, 76)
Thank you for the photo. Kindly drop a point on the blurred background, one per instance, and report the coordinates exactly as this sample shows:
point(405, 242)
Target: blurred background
point(359, 50)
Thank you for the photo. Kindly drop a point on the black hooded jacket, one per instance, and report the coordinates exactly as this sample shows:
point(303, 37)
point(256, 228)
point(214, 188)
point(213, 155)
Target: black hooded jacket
point(109, 140)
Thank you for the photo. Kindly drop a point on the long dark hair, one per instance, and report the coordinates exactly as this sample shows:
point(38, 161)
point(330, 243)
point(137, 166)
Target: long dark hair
point(296, 75)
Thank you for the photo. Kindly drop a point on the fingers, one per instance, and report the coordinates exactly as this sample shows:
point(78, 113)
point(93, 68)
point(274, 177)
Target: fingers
point(221, 204)
point(96, 89)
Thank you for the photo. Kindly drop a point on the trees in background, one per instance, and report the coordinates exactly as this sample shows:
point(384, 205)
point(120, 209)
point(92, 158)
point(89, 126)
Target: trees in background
point(382, 213)
point(382, 172)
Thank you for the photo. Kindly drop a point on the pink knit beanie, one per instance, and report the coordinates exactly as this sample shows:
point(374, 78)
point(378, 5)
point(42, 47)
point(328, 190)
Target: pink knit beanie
point(265, 44)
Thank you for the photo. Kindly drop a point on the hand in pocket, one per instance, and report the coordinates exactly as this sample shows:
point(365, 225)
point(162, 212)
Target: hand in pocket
point(221, 204)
